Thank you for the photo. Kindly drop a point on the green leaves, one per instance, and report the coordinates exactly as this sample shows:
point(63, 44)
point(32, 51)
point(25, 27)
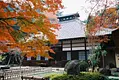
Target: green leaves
point(18, 35)
point(104, 52)
point(97, 53)
point(39, 22)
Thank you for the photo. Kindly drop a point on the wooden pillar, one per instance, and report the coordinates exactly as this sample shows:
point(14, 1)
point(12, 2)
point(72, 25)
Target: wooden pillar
point(85, 41)
point(61, 46)
point(71, 48)
point(61, 50)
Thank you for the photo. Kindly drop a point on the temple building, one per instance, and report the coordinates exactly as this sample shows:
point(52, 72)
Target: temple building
point(73, 44)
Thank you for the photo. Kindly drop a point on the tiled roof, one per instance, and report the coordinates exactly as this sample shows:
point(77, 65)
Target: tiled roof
point(71, 29)
point(105, 31)
point(74, 28)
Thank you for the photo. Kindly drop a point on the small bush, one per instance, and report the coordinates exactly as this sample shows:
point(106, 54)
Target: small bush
point(111, 65)
point(83, 65)
point(106, 72)
point(72, 67)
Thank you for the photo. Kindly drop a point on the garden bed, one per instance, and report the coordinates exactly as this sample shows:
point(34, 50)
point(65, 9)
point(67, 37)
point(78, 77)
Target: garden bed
point(81, 76)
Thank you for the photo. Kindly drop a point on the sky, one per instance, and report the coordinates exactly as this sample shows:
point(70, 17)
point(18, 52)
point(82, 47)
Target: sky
point(74, 6)
point(83, 7)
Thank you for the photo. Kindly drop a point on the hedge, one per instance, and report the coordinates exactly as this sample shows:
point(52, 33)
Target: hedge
point(81, 76)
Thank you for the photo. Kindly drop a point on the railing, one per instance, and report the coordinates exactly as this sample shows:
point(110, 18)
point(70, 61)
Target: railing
point(15, 74)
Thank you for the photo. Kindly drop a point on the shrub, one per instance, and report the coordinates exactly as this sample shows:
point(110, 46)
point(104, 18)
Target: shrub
point(106, 72)
point(83, 65)
point(75, 66)
point(81, 76)
point(54, 75)
point(72, 67)
point(92, 76)
point(111, 65)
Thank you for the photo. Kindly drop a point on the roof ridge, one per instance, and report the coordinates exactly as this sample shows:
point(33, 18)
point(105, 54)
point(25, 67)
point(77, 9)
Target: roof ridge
point(68, 17)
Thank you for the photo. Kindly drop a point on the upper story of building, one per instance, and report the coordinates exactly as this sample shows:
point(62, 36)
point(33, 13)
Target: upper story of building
point(70, 27)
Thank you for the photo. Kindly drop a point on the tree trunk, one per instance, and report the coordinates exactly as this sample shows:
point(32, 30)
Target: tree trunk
point(103, 61)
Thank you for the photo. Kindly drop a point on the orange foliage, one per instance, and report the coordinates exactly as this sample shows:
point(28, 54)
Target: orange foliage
point(20, 19)
point(105, 19)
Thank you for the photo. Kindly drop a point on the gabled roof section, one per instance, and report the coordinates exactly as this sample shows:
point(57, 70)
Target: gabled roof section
point(71, 27)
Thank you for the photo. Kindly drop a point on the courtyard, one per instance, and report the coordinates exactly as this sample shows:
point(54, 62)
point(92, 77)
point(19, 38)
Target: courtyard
point(59, 39)
point(32, 72)
point(15, 73)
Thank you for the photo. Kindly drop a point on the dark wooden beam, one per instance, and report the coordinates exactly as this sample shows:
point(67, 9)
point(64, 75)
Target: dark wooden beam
point(71, 47)
point(85, 42)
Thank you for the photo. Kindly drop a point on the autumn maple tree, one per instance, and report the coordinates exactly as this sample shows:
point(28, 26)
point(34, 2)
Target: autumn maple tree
point(103, 15)
point(23, 24)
